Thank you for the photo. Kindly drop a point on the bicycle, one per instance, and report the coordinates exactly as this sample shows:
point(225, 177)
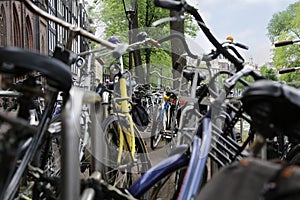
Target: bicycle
point(163, 117)
point(194, 96)
point(266, 102)
point(125, 154)
point(142, 109)
point(25, 139)
point(194, 159)
point(37, 145)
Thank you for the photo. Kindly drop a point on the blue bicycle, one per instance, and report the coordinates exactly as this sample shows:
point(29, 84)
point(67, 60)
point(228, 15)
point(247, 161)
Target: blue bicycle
point(162, 124)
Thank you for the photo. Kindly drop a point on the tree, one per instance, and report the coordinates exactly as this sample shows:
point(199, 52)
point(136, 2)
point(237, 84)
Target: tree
point(268, 73)
point(112, 15)
point(285, 25)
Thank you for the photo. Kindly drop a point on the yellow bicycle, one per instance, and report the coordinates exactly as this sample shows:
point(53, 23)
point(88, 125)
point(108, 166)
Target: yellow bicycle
point(125, 157)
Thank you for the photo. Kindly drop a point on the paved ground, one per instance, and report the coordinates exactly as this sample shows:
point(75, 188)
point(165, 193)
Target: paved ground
point(156, 156)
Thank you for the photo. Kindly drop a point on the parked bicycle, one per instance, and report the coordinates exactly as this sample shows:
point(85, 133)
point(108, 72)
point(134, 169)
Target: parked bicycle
point(164, 117)
point(25, 139)
point(185, 161)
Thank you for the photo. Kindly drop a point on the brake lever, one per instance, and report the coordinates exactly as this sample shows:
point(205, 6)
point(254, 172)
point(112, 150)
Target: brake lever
point(243, 46)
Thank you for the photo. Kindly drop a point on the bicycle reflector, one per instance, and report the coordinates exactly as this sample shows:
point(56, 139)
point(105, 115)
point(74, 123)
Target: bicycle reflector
point(114, 69)
point(181, 102)
point(80, 62)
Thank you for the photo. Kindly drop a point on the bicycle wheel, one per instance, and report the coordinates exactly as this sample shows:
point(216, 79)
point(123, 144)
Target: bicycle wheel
point(124, 174)
point(156, 135)
point(172, 184)
point(48, 159)
point(150, 110)
point(168, 187)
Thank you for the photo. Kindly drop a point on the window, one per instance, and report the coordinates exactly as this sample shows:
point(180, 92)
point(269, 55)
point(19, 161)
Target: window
point(29, 34)
point(16, 28)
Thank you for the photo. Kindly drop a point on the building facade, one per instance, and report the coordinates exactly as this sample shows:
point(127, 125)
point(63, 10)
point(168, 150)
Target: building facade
point(22, 28)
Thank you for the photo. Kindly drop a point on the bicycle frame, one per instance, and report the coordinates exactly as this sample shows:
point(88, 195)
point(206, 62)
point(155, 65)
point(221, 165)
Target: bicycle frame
point(124, 99)
point(195, 170)
point(165, 113)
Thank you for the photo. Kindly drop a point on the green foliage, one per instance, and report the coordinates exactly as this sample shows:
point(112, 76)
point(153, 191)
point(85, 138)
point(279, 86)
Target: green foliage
point(112, 14)
point(291, 78)
point(269, 73)
point(285, 25)
point(248, 79)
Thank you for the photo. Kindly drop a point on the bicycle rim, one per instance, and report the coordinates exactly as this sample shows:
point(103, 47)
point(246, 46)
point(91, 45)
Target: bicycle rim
point(122, 175)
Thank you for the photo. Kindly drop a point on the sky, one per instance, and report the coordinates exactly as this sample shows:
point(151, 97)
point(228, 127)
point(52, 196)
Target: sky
point(245, 20)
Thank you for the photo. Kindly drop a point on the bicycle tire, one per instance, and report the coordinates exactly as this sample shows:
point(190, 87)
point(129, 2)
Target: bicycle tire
point(131, 171)
point(171, 183)
point(156, 131)
point(164, 181)
point(48, 159)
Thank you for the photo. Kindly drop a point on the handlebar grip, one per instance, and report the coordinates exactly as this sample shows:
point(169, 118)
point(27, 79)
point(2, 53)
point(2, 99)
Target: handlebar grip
point(154, 42)
point(241, 45)
point(288, 70)
point(284, 43)
point(169, 4)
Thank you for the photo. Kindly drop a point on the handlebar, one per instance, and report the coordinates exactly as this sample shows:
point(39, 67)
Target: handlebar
point(118, 49)
point(288, 70)
point(185, 45)
point(170, 4)
point(286, 42)
point(230, 82)
point(164, 77)
point(179, 5)
point(123, 47)
point(243, 46)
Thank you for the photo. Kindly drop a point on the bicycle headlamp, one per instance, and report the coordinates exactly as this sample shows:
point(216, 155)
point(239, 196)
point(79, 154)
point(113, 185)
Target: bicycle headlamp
point(114, 69)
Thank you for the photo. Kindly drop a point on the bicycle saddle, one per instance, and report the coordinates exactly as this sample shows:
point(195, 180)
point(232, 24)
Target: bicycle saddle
point(189, 75)
point(273, 107)
point(16, 61)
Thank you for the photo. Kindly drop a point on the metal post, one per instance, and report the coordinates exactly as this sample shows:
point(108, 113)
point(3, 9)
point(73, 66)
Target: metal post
point(130, 18)
point(70, 150)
